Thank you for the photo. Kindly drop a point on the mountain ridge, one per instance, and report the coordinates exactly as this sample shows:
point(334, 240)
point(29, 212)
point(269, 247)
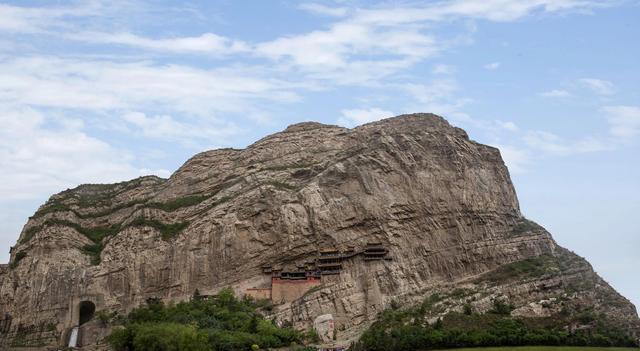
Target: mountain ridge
point(409, 205)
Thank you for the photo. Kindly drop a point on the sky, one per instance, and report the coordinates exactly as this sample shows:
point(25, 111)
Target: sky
point(105, 91)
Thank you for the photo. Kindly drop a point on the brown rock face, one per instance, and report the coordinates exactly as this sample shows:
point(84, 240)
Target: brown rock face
point(440, 205)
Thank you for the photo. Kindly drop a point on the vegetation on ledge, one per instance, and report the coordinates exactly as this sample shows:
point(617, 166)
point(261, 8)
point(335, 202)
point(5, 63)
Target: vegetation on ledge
point(99, 235)
point(222, 322)
point(167, 231)
point(549, 348)
point(178, 203)
point(19, 256)
point(407, 329)
point(525, 226)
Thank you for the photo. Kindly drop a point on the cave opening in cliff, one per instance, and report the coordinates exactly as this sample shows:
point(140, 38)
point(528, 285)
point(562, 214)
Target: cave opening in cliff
point(87, 310)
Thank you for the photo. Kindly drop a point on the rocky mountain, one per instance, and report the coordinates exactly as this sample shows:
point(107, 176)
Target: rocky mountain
point(322, 220)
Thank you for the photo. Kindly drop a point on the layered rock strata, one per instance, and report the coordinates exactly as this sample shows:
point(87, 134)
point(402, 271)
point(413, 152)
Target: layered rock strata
point(441, 206)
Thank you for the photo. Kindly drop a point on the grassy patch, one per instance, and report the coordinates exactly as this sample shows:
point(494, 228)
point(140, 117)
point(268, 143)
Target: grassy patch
point(281, 185)
point(99, 235)
point(94, 251)
point(181, 202)
point(19, 257)
point(50, 208)
point(167, 231)
point(548, 348)
point(428, 303)
point(525, 226)
point(527, 268)
point(29, 234)
point(286, 167)
point(94, 234)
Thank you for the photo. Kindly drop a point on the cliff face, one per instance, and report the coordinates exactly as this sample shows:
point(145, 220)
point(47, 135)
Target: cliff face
point(439, 207)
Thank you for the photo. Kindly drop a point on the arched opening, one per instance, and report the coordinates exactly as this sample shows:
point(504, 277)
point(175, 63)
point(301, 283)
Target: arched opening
point(87, 310)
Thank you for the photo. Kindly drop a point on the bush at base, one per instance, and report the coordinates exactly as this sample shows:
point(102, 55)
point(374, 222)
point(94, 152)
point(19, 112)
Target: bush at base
point(220, 322)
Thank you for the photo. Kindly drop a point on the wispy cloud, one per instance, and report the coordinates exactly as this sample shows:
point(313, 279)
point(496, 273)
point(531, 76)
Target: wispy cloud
point(55, 157)
point(207, 43)
point(354, 117)
point(493, 10)
point(443, 69)
point(598, 86)
point(104, 85)
point(556, 93)
point(507, 125)
point(624, 121)
point(557, 146)
point(340, 49)
point(324, 10)
point(516, 159)
point(167, 128)
point(492, 66)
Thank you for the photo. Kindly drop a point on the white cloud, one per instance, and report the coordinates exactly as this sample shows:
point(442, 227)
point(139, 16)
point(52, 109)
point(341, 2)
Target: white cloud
point(36, 19)
point(339, 46)
point(41, 156)
point(554, 145)
point(492, 66)
point(624, 121)
point(493, 10)
point(443, 69)
point(435, 91)
point(106, 85)
point(324, 10)
point(516, 159)
point(207, 43)
point(354, 117)
point(556, 93)
point(510, 126)
point(598, 86)
point(166, 128)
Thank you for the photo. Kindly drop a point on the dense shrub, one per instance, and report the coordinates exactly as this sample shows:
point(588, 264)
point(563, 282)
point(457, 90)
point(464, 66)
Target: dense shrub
point(406, 329)
point(167, 231)
point(19, 257)
point(525, 226)
point(222, 322)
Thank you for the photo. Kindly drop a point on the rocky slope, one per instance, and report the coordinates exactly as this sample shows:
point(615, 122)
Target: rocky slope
point(442, 206)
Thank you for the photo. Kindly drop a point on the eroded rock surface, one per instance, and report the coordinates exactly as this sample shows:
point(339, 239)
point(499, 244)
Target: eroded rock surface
point(441, 204)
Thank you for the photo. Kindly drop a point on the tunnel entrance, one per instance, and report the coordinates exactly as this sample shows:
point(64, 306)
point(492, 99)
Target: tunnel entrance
point(87, 310)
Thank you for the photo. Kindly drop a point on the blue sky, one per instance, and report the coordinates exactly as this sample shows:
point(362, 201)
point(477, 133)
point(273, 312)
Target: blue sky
point(102, 91)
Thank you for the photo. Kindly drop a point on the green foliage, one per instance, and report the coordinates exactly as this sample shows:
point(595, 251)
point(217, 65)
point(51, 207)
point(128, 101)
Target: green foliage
point(525, 226)
point(221, 322)
point(500, 307)
point(91, 195)
point(50, 208)
point(106, 317)
point(99, 235)
point(312, 336)
point(19, 257)
point(530, 267)
point(406, 329)
point(281, 185)
point(167, 231)
point(548, 348)
point(159, 337)
point(290, 166)
point(29, 234)
point(460, 293)
point(467, 309)
point(181, 202)
point(428, 303)
point(94, 252)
